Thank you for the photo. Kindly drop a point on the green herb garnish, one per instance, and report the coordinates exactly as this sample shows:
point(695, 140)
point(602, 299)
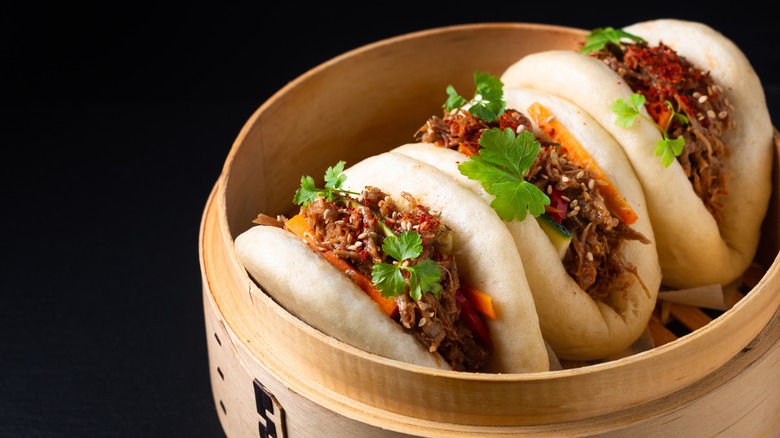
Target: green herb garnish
point(334, 178)
point(601, 36)
point(488, 101)
point(667, 148)
point(421, 278)
point(503, 161)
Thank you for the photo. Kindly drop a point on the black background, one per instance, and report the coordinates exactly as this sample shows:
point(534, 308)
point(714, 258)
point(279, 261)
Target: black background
point(115, 123)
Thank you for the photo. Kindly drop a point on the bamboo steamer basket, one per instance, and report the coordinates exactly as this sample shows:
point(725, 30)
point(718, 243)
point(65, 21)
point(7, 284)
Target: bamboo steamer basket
point(273, 375)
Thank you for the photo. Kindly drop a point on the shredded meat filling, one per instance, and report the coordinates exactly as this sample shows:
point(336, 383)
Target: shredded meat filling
point(661, 75)
point(592, 259)
point(352, 231)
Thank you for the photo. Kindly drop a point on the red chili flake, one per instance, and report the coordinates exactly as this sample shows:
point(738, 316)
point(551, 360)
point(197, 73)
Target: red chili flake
point(674, 79)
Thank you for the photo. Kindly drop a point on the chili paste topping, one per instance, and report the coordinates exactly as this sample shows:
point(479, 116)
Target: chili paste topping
point(661, 75)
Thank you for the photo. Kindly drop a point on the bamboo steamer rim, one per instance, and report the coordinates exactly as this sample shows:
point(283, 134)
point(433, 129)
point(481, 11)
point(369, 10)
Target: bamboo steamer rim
point(540, 391)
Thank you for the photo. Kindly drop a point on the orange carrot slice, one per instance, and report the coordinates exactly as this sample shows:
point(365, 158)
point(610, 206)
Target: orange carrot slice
point(465, 150)
point(576, 153)
point(479, 300)
point(298, 226)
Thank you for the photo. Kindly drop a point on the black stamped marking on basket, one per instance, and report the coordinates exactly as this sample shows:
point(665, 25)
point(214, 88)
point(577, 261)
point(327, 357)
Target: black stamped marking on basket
point(271, 424)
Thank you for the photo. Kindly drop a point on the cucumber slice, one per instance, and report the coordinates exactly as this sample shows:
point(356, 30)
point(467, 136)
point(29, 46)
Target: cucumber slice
point(559, 236)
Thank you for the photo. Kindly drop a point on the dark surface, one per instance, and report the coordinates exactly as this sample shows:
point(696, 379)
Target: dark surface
point(116, 122)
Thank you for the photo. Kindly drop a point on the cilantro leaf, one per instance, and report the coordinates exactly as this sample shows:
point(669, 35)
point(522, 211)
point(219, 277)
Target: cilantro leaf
point(454, 100)
point(500, 168)
point(404, 247)
point(423, 277)
point(666, 148)
point(485, 172)
point(627, 111)
point(488, 102)
point(334, 178)
point(515, 199)
point(307, 193)
point(601, 36)
point(388, 279)
point(504, 148)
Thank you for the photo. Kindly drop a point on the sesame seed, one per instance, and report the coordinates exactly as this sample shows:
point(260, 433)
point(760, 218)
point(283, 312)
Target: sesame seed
point(565, 198)
point(362, 235)
point(702, 98)
point(711, 114)
point(358, 244)
point(550, 119)
point(589, 255)
point(723, 114)
point(564, 178)
point(591, 183)
point(405, 263)
point(574, 203)
point(549, 190)
point(520, 128)
point(699, 116)
point(421, 322)
point(580, 174)
point(696, 94)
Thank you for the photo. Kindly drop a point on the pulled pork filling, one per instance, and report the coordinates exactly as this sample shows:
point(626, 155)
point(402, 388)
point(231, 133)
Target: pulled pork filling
point(352, 231)
point(592, 259)
point(661, 75)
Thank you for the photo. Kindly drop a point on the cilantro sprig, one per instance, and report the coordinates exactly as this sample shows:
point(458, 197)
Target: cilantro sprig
point(667, 148)
point(420, 278)
point(503, 161)
point(334, 178)
point(488, 102)
point(601, 36)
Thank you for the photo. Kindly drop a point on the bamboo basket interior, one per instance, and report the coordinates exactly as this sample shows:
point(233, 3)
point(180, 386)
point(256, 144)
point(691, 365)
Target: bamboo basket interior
point(373, 99)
